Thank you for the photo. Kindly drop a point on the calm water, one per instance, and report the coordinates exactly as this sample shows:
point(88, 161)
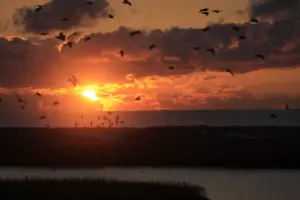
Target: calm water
point(166, 118)
point(219, 184)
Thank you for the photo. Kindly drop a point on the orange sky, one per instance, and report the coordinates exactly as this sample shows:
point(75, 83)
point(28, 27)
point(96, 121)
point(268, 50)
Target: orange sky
point(117, 82)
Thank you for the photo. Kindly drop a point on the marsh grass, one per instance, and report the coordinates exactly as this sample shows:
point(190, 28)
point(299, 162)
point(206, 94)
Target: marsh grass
point(76, 188)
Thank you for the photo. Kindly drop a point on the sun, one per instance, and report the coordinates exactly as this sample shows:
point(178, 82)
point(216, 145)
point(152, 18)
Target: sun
point(91, 95)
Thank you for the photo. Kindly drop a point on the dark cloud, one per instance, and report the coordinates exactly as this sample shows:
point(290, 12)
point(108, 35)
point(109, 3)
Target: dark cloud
point(48, 19)
point(98, 60)
point(276, 9)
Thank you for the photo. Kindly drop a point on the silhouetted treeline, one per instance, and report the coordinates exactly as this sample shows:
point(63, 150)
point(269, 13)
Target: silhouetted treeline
point(95, 189)
point(236, 147)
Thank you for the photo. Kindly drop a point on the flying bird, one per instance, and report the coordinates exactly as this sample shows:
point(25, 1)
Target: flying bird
point(216, 11)
point(73, 80)
point(55, 103)
point(127, 2)
point(61, 36)
point(45, 33)
point(152, 46)
point(64, 19)
point(110, 16)
point(38, 94)
point(89, 3)
point(69, 44)
point(75, 33)
point(133, 33)
point(171, 68)
point(138, 98)
point(38, 8)
point(253, 20)
point(229, 71)
point(260, 56)
point(20, 100)
point(87, 38)
point(205, 13)
point(236, 28)
point(242, 37)
point(204, 10)
point(43, 117)
point(212, 51)
point(206, 29)
point(287, 107)
point(23, 107)
point(122, 53)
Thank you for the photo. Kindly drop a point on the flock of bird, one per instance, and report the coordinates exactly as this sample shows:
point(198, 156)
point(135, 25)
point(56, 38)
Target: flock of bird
point(74, 80)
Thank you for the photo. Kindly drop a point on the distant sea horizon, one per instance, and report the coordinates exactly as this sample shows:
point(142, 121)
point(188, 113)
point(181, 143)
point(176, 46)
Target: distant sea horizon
point(154, 118)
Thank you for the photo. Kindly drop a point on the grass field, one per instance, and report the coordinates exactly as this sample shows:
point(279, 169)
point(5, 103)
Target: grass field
point(234, 147)
point(95, 189)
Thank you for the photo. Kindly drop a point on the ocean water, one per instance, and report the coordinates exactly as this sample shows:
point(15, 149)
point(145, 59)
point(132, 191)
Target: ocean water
point(164, 118)
point(219, 184)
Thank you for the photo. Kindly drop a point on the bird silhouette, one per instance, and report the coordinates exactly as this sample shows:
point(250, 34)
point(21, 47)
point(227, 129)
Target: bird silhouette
point(253, 20)
point(204, 10)
point(20, 100)
point(205, 13)
point(43, 117)
point(73, 80)
point(229, 71)
point(196, 48)
point(46, 33)
point(171, 68)
point(122, 53)
point(259, 56)
point(69, 44)
point(272, 115)
point(87, 38)
point(127, 2)
point(61, 36)
point(55, 103)
point(38, 8)
point(38, 94)
point(138, 98)
point(236, 28)
point(216, 11)
point(110, 16)
point(23, 107)
point(206, 29)
point(64, 19)
point(89, 3)
point(212, 51)
point(152, 46)
point(242, 37)
point(133, 33)
point(287, 107)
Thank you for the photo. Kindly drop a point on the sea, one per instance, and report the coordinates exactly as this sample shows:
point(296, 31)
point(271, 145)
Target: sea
point(164, 118)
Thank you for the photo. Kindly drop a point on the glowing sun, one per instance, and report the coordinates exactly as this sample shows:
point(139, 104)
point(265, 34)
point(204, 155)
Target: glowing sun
point(91, 95)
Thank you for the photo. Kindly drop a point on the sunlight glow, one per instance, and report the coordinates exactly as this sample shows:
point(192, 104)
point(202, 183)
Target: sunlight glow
point(91, 95)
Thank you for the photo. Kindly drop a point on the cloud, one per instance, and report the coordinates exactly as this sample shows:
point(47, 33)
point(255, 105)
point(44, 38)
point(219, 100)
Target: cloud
point(276, 9)
point(37, 63)
point(49, 18)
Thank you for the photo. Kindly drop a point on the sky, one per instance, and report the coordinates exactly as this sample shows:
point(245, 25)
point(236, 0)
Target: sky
point(33, 63)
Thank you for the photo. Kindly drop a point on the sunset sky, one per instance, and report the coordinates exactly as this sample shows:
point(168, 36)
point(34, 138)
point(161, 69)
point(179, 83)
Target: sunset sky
point(32, 63)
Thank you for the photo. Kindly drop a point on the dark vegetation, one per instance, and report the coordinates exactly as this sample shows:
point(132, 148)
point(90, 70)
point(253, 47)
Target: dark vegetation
point(94, 189)
point(202, 146)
